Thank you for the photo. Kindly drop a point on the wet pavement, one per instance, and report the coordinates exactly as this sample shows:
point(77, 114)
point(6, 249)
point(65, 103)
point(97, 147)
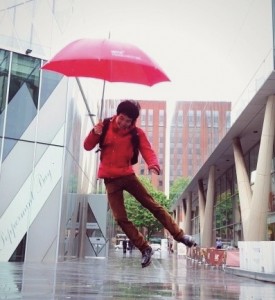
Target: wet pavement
point(119, 277)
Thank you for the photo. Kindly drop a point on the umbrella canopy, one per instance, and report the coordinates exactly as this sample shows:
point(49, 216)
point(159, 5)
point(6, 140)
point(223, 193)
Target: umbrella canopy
point(107, 60)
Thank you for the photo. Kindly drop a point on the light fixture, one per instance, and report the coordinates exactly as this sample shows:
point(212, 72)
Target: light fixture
point(28, 51)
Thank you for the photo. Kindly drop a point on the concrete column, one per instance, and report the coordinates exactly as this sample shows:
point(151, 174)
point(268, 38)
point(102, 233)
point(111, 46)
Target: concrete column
point(257, 230)
point(206, 240)
point(182, 218)
point(177, 219)
point(82, 227)
point(245, 192)
point(201, 205)
point(188, 225)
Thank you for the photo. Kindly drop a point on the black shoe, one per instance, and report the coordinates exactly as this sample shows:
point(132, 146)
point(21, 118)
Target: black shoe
point(189, 241)
point(146, 257)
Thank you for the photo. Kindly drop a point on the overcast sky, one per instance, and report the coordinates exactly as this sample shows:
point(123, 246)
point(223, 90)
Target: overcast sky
point(199, 44)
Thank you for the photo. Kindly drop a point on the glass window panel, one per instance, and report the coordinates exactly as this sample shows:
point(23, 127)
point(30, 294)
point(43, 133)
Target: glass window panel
point(229, 183)
point(215, 118)
point(198, 118)
point(49, 82)
point(228, 119)
point(4, 70)
point(143, 117)
point(218, 216)
point(191, 118)
point(150, 117)
point(161, 117)
point(208, 118)
point(223, 187)
point(229, 210)
point(180, 118)
point(22, 99)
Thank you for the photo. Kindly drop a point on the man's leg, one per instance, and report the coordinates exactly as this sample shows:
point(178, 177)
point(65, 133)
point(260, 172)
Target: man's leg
point(135, 187)
point(116, 202)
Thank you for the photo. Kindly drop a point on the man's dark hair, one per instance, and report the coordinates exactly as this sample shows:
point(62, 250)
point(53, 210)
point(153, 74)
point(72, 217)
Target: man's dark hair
point(130, 108)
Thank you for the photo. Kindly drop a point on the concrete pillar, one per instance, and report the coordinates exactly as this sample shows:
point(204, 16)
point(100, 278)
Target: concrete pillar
point(245, 192)
point(182, 219)
point(82, 227)
point(206, 240)
point(201, 205)
point(188, 225)
point(177, 219)
point(257, 230)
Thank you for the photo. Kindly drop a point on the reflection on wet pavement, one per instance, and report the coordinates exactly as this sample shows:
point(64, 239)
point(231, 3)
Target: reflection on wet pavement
point(118, 277)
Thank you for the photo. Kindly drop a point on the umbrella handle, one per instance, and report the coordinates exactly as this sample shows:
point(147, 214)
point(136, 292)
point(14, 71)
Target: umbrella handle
point(85, 100)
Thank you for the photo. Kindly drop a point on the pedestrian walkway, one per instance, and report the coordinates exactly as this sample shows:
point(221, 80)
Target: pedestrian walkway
point(121, 277)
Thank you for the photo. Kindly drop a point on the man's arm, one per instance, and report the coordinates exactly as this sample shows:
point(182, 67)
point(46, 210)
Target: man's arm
point(93, 137)
point(148, 153)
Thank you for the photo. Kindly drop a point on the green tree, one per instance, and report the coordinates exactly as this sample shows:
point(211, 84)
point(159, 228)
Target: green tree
point(139, 215)
point(177, 188)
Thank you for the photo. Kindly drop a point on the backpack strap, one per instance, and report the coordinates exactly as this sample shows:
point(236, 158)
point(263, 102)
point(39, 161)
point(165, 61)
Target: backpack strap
point(135, 143)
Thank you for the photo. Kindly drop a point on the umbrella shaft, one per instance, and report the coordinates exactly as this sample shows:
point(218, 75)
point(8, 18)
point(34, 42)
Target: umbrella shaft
point(102, 102)
point(85, 100)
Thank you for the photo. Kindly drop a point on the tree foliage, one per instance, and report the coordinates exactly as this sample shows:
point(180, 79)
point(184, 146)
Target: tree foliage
point(139, 215)
point(178, 187)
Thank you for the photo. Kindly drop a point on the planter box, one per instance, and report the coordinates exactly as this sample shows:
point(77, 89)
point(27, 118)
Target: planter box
point(257, 256)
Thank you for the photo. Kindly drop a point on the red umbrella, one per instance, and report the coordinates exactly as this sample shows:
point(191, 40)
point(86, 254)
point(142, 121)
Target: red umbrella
point(106, 60)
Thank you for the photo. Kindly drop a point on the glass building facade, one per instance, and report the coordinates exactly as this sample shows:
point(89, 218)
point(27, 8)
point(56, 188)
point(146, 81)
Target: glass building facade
point(46, 179)
point(45, 176)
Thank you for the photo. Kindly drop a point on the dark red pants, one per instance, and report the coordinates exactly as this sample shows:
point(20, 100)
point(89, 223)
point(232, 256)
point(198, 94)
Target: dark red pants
point(131, 184)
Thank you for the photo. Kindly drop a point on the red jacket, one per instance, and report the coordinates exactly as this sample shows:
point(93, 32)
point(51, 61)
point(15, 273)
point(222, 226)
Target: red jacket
point(115, 158)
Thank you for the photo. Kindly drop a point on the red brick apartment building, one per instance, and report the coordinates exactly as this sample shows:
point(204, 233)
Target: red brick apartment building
point(186, 140)
point(195, 130)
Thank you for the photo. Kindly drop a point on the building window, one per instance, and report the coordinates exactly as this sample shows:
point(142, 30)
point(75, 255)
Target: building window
point(23, 98)
point(180, 118)
point(198, 118)
point(191, 118)
point(215, 119)
point(228, 119)
point(143, 117)
point(208, 118)
point(150, 117)
point(161, 117)
point(4, 66)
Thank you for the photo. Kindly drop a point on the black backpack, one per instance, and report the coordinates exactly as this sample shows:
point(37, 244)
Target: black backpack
point(134, 139)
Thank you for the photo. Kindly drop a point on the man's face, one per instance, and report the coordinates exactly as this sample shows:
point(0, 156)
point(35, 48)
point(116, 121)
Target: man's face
point(123, 121)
